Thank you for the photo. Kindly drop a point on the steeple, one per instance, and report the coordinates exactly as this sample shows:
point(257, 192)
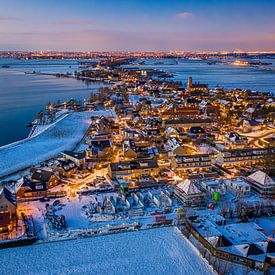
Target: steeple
point(189, 82)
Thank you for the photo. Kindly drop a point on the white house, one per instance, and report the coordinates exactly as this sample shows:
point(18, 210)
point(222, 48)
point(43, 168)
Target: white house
point(262, 183)
point(189, 193)
point(238, 187)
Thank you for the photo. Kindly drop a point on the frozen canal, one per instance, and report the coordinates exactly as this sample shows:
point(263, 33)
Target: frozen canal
point(156, 251)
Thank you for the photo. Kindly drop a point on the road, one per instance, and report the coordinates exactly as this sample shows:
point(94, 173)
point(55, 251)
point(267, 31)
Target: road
point(255, 138)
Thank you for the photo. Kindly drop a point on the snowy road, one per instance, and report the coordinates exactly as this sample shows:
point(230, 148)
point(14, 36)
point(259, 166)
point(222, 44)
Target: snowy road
point(64, 135)
point(155, 251)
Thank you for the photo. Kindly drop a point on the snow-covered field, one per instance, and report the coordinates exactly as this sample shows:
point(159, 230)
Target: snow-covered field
point(38, 129)
point(155, 251)
point(80, 217)
point(63, 135)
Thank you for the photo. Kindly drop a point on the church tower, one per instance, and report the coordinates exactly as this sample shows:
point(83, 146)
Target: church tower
point(189, 82)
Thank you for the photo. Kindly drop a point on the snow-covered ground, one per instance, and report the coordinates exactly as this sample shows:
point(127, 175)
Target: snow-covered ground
point(38, 129)
point(154, 251)
point(80, 215)
point(63, 135)
point(37, 210)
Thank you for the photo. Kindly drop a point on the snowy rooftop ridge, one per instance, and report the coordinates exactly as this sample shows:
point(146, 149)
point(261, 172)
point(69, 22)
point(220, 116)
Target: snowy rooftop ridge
point(188, 187)
point(261, 178)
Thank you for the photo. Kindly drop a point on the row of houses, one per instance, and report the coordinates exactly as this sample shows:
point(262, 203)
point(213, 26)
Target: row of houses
point(230, 158)
point(133, 169)
point(193, 193)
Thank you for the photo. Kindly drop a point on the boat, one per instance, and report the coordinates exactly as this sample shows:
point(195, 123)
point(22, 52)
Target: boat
point(5, 66)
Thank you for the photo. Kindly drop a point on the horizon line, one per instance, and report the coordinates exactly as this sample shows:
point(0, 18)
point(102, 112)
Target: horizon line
point(137, 51)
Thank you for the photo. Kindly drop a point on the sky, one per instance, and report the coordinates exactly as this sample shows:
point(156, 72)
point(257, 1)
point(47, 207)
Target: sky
point(137, 25)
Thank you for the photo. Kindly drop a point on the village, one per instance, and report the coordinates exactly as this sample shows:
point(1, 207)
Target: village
point(157, 153)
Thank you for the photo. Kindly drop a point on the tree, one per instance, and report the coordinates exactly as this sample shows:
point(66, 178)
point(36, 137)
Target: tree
point(269, 163)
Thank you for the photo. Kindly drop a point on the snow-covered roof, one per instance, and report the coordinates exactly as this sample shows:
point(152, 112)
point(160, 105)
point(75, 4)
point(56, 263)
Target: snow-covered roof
point(6, 193)
point(170, 130)
point(214, 240)
point(173, 143)
point(188, 187)
point(239, 182)
point(243, 233)
point(261, 178)
point(250, 110)
point(203, 103)
point(252, 250)
point(222, 101)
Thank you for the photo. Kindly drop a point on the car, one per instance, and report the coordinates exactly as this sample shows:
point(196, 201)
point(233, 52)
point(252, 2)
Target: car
point(57, 202)
point(44, 199)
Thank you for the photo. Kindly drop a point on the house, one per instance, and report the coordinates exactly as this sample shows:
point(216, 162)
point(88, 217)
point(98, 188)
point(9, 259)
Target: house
point(100, 151)
point(212, 186)
point(32, 189)
point(230, 158)
point(132, 134)
point(196, 131)
point(187, 122)
point(8, 207)
point(241, 243)
point(251, 125)
point(37, 183)
point(212, 110)
point(189, 163)
point(44, 175)
point(101, 148)
point(151, 133)
point(103, 124)
point(238, 187)
point(174, 147)
point(180, 112)
point(137, 121)
point(235, 140)
point(262, 184)
point(129, 149)
point(171, 132)
point(78, 158)
point(249, 112)
point(246, 240)
point(193, 101)
point(104, 146)
point(66, 167)
point(189, 193)
point(99, 136)
point(133, 169)
point(141, 150)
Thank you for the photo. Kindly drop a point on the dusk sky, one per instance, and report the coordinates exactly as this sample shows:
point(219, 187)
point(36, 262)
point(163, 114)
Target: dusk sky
point(83, 25)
